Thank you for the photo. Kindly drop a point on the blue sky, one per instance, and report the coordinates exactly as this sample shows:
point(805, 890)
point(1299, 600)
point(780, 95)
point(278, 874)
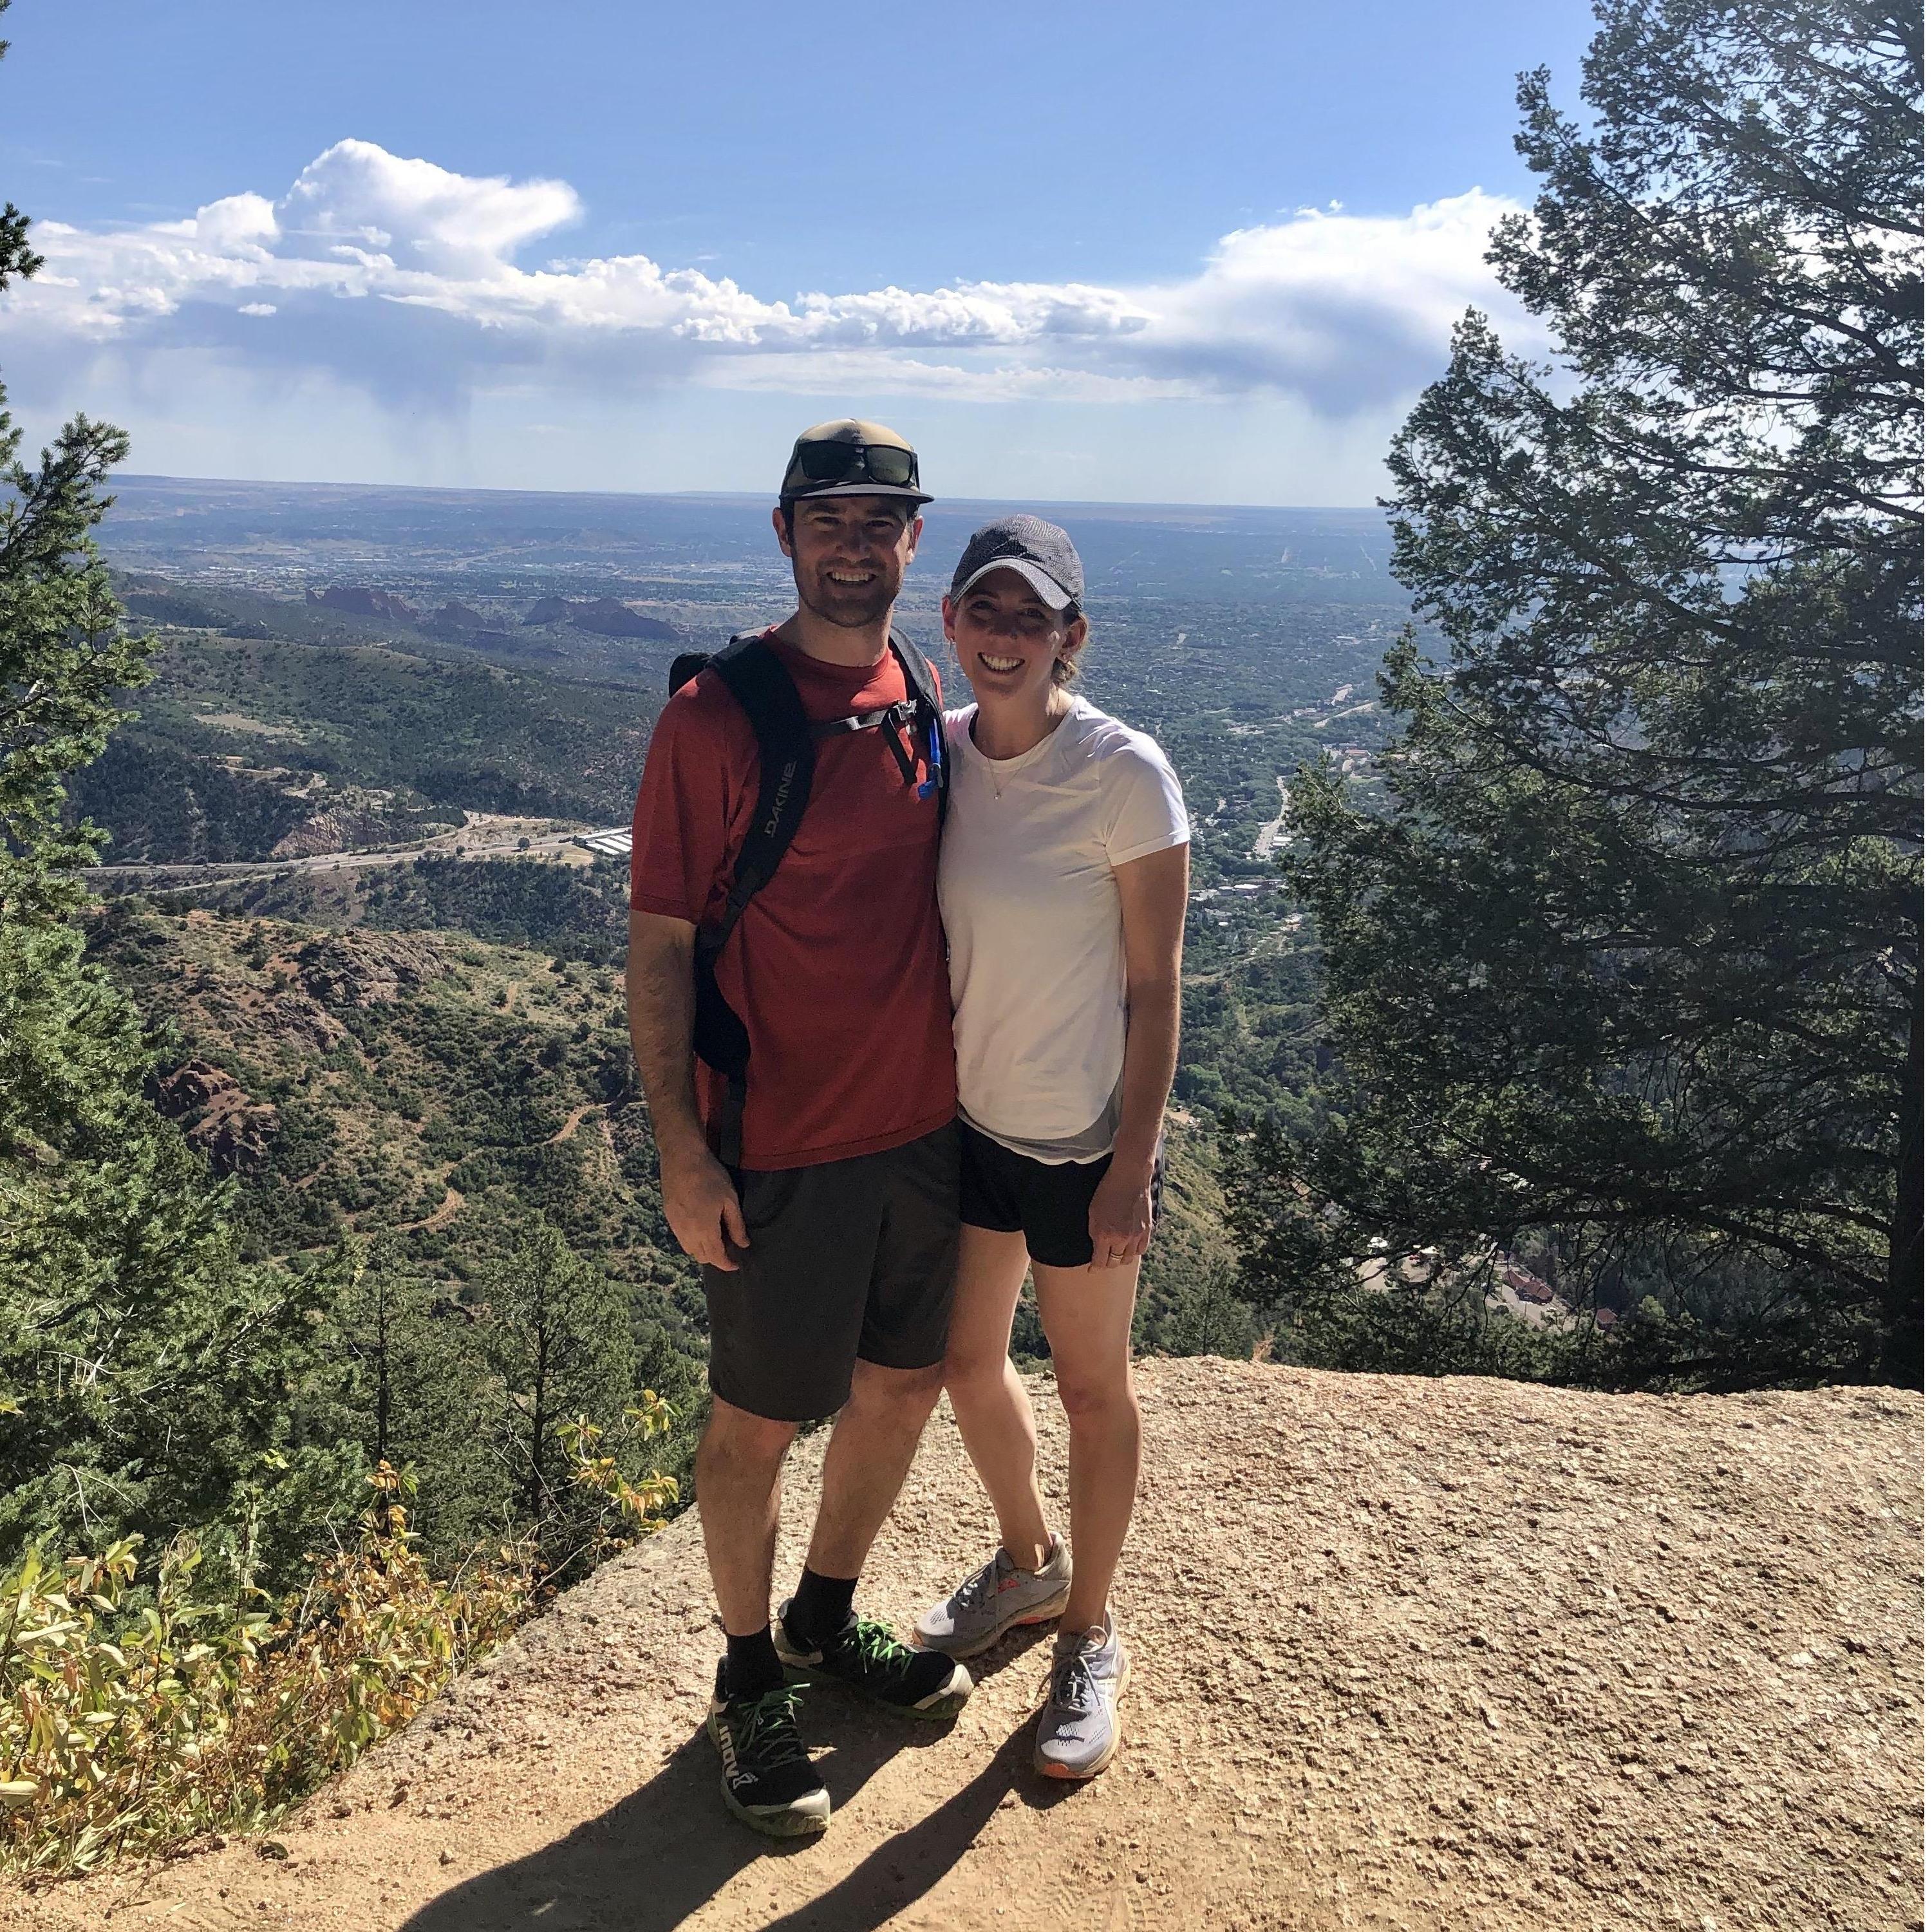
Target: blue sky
point(1202, 252)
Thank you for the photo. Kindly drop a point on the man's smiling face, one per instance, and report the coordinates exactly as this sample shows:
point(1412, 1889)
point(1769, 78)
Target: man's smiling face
point(849, 555)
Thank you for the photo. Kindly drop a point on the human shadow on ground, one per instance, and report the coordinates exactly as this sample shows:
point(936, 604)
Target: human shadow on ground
point(655, 1857)
point(911, 1862)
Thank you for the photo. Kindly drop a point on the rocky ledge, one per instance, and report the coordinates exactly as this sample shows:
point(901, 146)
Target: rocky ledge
point(1461, 1654)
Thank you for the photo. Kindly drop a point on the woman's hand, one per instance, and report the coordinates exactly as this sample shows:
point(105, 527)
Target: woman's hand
point(1121, 1219)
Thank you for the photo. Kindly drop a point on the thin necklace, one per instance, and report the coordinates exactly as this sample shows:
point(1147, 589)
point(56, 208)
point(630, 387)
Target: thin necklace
point(999, 784)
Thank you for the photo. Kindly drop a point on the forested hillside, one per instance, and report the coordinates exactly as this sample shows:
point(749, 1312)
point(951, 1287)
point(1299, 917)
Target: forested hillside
point(240, 741)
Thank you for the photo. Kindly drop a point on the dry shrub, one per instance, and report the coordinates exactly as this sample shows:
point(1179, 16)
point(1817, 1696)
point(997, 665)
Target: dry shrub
point(138, 1714)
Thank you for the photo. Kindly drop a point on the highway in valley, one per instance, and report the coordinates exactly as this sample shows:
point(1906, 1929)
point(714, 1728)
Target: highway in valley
point(614, 843)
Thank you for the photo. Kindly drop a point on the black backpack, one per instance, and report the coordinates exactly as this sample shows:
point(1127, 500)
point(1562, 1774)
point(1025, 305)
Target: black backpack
point(751, 672)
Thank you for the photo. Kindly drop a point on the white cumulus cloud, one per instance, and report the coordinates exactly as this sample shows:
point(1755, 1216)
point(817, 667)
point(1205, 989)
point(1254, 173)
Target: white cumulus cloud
point(403, 278)
point(1343, 309)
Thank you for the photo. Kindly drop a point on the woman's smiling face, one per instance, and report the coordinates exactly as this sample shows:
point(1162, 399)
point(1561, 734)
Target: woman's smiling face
point(1007, 640)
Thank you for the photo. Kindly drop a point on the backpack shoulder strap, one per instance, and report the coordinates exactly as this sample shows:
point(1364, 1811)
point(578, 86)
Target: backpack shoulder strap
point(929, 719)
point(684, 667)
point(751, 672)
point(920, 683)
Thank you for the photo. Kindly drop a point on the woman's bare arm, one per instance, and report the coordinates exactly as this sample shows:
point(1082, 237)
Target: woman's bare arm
point(1153, 908)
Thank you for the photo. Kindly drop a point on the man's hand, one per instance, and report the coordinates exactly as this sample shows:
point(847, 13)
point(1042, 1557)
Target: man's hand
point(703, 1207)
point(1121, 1218)
point(700, 1202)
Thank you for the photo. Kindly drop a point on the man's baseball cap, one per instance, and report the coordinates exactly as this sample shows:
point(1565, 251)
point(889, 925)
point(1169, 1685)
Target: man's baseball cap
point(851, 458)
point(1042, 553)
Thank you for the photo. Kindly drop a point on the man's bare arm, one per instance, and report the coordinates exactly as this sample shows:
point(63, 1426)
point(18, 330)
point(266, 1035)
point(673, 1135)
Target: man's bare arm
point(700, 1202)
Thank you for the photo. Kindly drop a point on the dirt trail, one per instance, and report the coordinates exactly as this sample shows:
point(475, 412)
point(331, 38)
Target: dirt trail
point(1419, 1654)
point(575, 1121)
point(439, 1217)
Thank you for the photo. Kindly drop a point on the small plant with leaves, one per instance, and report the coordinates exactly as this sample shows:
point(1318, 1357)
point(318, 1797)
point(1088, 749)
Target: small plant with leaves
point(643, 1507)
point(136, 1711)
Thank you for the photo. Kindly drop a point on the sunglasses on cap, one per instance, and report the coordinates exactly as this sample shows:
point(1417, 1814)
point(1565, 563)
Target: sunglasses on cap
point(882, 463)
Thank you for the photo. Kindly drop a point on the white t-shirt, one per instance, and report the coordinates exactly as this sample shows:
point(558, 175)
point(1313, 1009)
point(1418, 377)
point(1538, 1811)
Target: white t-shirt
point(1032, 924)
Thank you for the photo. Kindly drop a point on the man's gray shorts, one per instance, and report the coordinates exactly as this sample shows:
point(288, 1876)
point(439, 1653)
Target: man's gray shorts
point(850, 1261)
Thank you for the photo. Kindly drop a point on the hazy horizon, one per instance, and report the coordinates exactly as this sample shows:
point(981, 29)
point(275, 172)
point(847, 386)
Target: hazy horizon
point(767, 497)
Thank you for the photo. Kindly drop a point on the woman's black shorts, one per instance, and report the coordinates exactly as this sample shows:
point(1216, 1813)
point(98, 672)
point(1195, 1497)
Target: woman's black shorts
point(1011, 1193)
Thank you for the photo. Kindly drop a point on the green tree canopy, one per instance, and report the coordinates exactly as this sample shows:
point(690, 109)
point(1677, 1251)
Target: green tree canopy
point(561, 1341)
point(144, 1375)
point(1630, 970)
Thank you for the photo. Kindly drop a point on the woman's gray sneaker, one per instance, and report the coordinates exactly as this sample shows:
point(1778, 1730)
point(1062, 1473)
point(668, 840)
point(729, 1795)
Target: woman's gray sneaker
point(1080, 1729)
point(996, 1596)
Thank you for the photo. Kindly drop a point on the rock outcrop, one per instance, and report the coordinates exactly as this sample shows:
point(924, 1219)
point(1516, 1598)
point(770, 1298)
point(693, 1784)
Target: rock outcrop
point(342, 828)
point(364, 967)
point(220, 1118)
point(455, 620)
point(604, 617)
point(609, 618)
point(357, 600)
point(1461, 1654)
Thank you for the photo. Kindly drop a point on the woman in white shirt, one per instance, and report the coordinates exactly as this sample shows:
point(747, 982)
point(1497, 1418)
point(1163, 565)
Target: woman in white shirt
point(1063, 881)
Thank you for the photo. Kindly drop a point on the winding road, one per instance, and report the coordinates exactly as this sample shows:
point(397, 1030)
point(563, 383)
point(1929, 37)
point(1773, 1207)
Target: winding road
point(525, 846)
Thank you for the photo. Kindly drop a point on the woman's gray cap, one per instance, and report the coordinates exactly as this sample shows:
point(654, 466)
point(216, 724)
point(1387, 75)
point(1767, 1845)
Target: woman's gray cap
point(1042, 553)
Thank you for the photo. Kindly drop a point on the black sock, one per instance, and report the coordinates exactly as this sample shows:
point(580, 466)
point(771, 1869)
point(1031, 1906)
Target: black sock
point(819, 1610)
point(751, 1666)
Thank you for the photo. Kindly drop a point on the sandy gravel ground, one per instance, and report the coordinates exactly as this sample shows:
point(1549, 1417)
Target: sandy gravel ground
point(1417, 1655)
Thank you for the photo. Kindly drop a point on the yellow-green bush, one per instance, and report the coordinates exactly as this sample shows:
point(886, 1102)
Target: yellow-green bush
point(137, 1713)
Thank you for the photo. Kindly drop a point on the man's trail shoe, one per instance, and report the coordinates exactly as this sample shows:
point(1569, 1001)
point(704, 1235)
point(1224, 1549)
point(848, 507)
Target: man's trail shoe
point(769, 1781)
point(867, 1657)
point(1080, 1729)
point(996, 1596)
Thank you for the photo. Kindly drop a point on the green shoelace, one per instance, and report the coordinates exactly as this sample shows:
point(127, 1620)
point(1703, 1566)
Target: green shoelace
point(769, 1735)
point(876, 1644)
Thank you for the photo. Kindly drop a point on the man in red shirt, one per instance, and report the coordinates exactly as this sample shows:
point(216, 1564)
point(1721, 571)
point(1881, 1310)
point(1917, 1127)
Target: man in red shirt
point(828, 1247)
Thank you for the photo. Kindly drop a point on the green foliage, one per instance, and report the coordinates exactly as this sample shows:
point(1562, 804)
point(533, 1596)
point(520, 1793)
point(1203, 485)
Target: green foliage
point(63, 658)
point(1323, 1304)
point(1630, 966)
point(403, 1376)
point(1204, 1314)
point(145, 1371)
point(559, 1341)
point(138, 1711)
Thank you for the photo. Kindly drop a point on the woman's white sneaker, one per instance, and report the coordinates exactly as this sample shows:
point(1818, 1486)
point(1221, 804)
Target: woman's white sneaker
point(998, 1595)
point(1080, 1729)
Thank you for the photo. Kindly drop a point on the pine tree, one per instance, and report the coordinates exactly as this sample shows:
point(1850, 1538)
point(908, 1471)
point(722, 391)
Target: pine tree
point(562, 1341)
point(407, 1374)
point(1204, 1315)
point(1631, 967)
point(144, 1375)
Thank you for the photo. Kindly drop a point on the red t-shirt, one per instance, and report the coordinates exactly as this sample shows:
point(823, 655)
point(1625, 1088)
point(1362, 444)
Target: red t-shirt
point(837, 965)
